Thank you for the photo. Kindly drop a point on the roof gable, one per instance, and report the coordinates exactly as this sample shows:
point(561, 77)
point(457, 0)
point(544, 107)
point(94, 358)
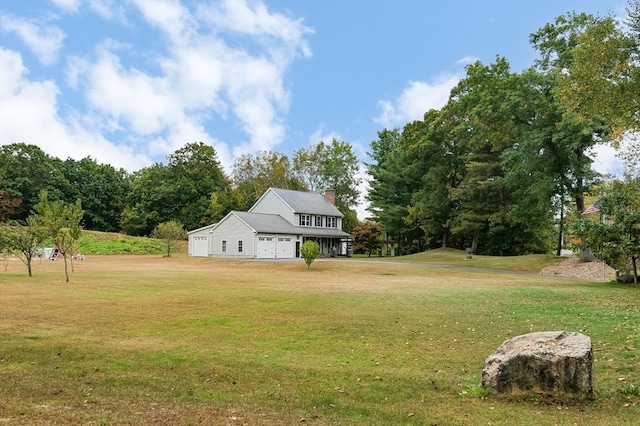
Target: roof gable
point(303, 202)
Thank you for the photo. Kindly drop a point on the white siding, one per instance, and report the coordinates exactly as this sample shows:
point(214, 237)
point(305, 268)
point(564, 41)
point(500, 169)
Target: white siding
point(199, 241)
point(272, 204)
point(231, 229)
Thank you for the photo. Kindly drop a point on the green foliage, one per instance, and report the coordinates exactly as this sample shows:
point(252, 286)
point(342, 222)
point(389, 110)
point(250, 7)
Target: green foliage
point(309, 252)
point(25, 171)
point(323, 166)
point(61, 223)
point(111, 243)
point(253, 174)
point(24, 240)
point(617, 237)
point(180, 191)
point(169, 232)
point(368, 237)
point(102, 190)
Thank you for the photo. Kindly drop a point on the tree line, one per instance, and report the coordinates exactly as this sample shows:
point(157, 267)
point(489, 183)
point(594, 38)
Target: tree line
point(508, 159)
point(191, 188)
point(503, 168)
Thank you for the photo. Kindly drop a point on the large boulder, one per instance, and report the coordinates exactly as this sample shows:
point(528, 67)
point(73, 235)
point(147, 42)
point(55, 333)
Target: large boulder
point(549, 364)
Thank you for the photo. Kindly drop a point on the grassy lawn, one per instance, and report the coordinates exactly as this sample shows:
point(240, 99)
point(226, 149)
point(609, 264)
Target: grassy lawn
point(146, 339)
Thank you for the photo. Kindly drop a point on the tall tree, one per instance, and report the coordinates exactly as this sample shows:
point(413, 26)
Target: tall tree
point(25, 170)
point(253, 174)
point(557, 44)
point(393, 181)
point(102, 190)
point(333, 165)
point(433, 205)
point(179, 191)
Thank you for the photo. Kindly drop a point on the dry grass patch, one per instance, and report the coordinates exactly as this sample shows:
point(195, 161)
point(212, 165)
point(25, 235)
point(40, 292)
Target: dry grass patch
point(146, 339)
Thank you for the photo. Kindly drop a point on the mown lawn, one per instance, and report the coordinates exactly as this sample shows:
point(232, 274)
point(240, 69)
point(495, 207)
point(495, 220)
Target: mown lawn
point(146, 339)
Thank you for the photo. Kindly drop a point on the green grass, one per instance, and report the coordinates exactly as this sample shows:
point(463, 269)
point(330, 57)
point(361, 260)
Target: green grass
point(447, 256)
point(144, 339)
point(92, 242)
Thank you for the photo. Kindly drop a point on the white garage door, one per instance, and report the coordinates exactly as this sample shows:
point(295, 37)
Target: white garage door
point(200, 246)
point(266, 248)
point(285, 248)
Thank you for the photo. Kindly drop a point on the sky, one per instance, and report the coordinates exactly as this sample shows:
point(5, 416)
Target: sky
point(129, 82)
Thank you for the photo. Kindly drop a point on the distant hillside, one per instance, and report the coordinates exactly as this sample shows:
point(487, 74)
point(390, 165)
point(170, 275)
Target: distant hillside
point(94, 242)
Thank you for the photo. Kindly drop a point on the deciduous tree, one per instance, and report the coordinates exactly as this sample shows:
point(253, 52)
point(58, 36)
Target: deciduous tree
point(24, 240)
point(368, 237)
point(170, 232)
point(333, 165)
point(309, 252)
point(61, 223)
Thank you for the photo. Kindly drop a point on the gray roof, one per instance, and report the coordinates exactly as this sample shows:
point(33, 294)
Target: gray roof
point(307, 202)
point(275, 224)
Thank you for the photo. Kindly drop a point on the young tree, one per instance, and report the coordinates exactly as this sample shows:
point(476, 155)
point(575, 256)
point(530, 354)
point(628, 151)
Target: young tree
point(309, 252)
point(368, 237)
point(61, 222)
point(23, 239)
point(169, 232)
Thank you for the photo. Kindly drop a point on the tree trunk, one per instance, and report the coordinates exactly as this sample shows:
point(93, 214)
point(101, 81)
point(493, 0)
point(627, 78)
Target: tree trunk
point(561, 226)
point(66, 269)
point(445, 236)
point(474, 244)
point(634, 260)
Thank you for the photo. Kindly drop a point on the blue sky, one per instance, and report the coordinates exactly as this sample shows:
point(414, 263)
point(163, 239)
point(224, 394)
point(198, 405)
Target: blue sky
point(129, 82)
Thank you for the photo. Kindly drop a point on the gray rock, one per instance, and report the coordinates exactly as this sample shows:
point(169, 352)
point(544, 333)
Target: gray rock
point(550, 364)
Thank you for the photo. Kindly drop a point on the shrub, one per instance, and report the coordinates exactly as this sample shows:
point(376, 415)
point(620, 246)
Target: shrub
point(309, 251)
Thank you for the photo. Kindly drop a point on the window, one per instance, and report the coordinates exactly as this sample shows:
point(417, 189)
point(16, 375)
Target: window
point(318, 221)
point(332, 222)
point(239, 246)
point(224, 246)
point(305, 220)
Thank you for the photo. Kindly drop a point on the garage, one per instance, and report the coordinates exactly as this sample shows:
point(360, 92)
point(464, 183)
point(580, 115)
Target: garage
point(199, 245)
point(266, 247)
point(285, 247)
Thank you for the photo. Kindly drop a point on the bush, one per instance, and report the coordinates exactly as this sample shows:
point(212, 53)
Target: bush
point(309, 252)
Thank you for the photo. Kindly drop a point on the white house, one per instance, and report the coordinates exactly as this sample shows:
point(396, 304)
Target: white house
point(275, 227)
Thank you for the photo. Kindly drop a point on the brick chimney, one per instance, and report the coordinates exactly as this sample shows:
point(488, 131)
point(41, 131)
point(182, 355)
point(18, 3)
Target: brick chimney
point(330, 196)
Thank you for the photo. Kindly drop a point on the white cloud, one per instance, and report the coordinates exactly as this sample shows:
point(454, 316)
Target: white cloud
point(67, 5)
point(256, 20)
point(108, 9)
point(29, 112)
point(605, 160)
point(416, 99)
point(44, 40)
point(170, 17)
point(197, 77)
point(467, 60)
